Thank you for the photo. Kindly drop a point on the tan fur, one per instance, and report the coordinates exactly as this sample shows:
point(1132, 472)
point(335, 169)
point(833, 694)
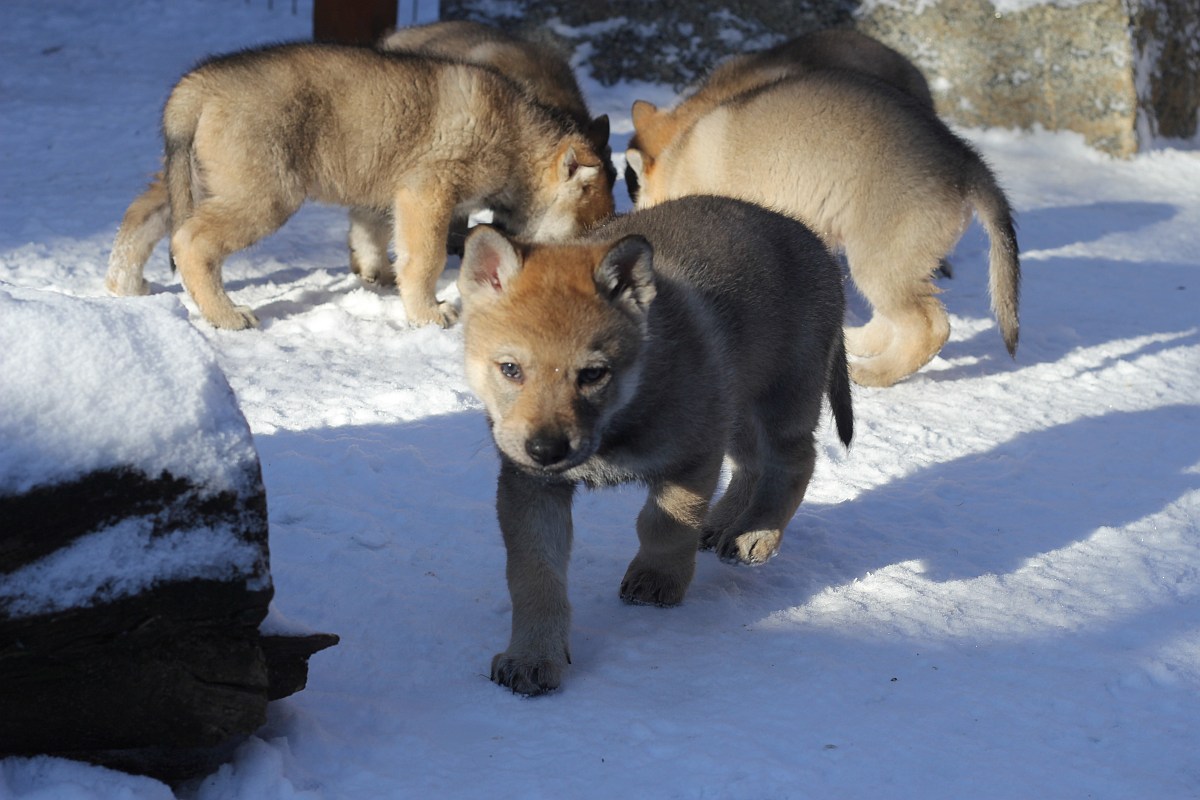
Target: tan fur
point(887, 182)
point(671, 339)
point(537, 66)
point(842, 49)
point(250, 137)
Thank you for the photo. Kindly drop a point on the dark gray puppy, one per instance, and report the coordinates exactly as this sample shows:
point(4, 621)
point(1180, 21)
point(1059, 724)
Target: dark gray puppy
point(664, 342)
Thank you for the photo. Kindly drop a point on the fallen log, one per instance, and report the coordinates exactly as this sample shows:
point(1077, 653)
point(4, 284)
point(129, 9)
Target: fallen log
point(134, 558)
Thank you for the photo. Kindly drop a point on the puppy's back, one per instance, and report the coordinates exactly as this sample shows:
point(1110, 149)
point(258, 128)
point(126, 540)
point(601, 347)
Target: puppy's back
point(773, 289)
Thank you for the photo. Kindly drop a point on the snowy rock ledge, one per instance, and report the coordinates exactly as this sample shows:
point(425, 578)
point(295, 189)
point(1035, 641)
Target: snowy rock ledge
point(134, 570)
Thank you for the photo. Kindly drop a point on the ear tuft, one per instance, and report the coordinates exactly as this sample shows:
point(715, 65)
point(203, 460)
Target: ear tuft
point(489, 263)
point(625, 276)
point(642, 113)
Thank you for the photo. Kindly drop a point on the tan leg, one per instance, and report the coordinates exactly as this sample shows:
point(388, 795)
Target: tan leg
point(422, 221)
point(146, 222)
point(370, 233)
point(921, 329)
point(668, 530)
point(200, 246)
point(870, 339)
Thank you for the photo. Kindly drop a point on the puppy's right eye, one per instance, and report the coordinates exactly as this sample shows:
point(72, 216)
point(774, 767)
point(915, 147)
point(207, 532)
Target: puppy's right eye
point(510, 370)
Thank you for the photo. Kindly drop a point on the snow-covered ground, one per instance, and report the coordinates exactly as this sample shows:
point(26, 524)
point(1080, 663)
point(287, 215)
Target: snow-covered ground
point(994, 594)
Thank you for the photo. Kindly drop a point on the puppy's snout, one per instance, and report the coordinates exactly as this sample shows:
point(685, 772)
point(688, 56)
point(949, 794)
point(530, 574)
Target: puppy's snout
point(547, 447)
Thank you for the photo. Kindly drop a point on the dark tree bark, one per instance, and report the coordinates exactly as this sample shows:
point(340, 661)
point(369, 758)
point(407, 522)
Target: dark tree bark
point(352, 21)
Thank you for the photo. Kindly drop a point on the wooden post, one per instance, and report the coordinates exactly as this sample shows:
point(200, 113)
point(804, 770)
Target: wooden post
point(353, 21)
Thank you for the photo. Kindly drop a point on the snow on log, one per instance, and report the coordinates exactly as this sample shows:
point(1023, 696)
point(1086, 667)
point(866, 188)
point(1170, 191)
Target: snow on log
point(134, 569)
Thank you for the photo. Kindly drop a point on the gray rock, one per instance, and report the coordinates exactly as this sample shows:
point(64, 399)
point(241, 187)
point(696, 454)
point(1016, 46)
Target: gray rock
point(1124, 73)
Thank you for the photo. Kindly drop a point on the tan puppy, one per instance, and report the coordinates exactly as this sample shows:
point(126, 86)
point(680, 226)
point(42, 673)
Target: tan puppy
point(538, 66)
point(829, 49)
point(249, 137)
point(871, 172)
point(667, 341)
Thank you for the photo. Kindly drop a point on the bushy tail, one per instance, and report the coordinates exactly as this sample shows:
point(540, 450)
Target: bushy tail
point(1004, 270)
point(145, 223)
point(839, 391)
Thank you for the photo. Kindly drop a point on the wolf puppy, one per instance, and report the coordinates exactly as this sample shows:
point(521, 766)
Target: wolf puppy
point(665, 342)
point(249, 137)
point(870, 170)
point(828, 49)
point(536, 65)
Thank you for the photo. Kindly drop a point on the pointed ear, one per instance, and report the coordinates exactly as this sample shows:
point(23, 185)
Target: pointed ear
point(577, 164)
point(625, 276)
point(643, 112)
point(597, 132)
point(489, 263)
point(638, 162)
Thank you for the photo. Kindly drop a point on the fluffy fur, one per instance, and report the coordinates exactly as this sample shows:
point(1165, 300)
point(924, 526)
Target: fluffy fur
point(666, 342)
point(828, 49)
point(871, 171)
point(249, 137)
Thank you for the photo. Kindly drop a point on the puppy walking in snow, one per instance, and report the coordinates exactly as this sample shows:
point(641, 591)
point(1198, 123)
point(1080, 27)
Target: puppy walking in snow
point(873, 172)
point(828, 49)
point(665, 342)
point(536, 65)
point(249, 137)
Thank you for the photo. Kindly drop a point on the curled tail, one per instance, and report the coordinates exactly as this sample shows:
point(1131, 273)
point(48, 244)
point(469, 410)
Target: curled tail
point(839, 390)
point(1004, 266)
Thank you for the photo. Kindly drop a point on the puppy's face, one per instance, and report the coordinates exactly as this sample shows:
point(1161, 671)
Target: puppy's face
point(575, 193)
point(554, 336)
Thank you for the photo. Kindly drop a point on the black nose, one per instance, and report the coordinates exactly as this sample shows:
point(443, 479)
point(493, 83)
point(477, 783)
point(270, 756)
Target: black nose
point(547, 448)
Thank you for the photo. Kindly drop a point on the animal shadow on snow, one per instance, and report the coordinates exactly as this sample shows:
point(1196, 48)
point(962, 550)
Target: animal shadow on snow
point(405, 513)
point(989, 513)
point(392, 523)
point(431, 484)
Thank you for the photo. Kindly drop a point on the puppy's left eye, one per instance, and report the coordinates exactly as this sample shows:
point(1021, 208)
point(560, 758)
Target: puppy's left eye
point(511, 371)
point(590, 376)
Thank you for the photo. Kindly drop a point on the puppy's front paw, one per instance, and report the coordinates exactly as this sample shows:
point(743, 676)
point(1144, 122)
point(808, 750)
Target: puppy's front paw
point(442, 313)
point(528, 676)
point(649, 587)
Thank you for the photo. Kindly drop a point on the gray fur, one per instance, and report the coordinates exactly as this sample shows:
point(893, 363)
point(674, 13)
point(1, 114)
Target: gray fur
point(717, 325)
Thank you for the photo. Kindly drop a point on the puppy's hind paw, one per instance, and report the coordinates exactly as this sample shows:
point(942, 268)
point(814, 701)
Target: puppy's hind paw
point(236, 318)
point(752, 548)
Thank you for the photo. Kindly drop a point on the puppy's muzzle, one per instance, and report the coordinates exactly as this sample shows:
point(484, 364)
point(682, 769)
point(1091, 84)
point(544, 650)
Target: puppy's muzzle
point(547, 448)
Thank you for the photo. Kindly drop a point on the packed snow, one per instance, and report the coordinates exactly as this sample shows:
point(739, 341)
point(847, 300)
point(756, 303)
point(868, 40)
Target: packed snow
point(92, 385)
point(994, 594)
